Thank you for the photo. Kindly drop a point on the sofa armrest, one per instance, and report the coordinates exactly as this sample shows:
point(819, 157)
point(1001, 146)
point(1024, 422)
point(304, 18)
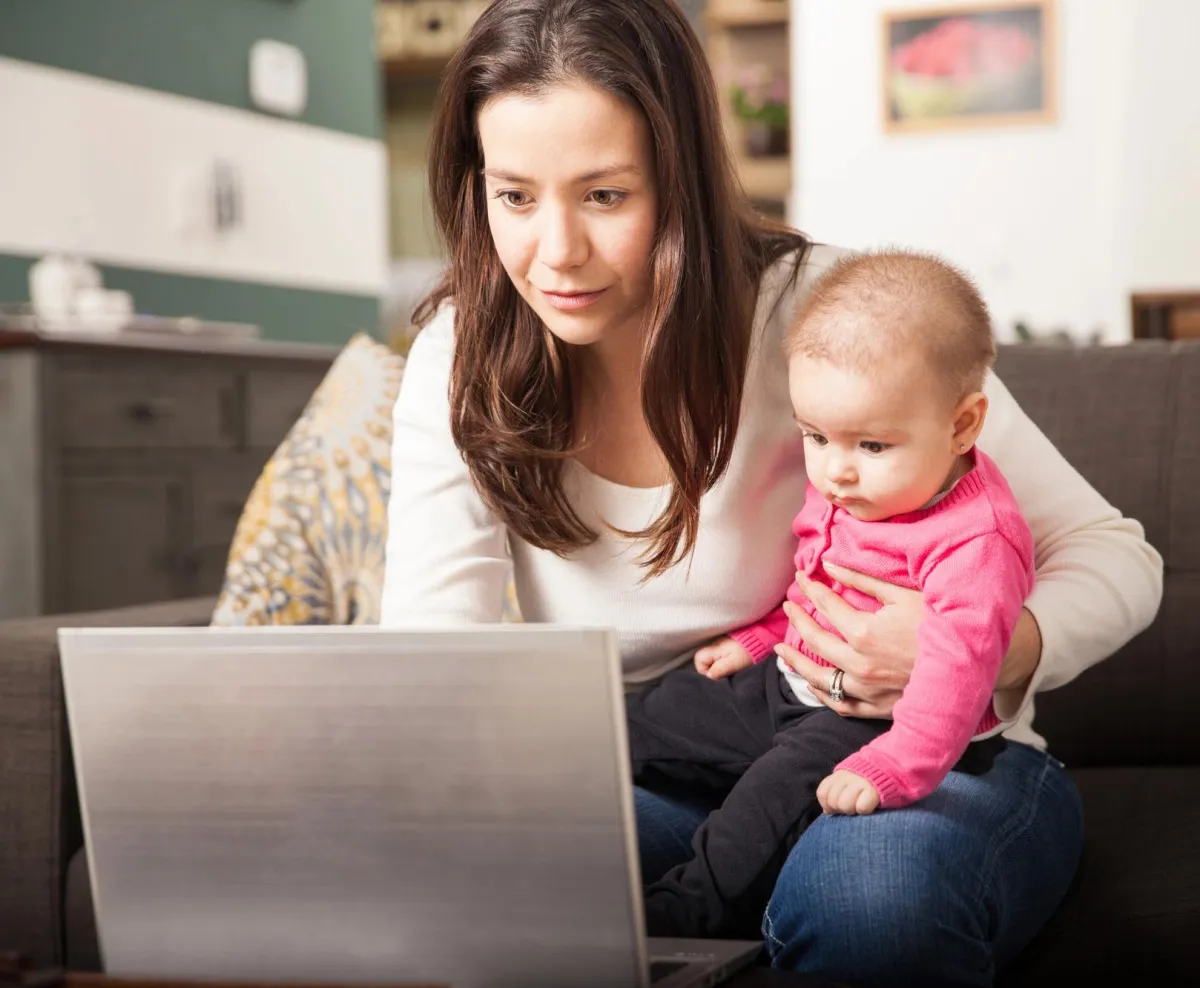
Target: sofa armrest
point(39, 808)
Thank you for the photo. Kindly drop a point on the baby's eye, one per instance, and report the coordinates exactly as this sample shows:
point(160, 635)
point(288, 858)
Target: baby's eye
point(815, 438)
point(873, 447)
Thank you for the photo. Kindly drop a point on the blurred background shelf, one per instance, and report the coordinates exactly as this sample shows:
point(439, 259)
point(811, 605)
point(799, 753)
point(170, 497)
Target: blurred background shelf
point(414, 68)
point(747, 44)
point(416, 38)
point(747, 13)
point(765, 178)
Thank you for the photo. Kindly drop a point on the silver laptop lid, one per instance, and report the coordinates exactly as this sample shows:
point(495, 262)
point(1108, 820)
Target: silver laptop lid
point(358, 804)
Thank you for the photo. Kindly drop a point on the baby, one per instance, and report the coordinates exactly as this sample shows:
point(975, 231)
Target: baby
point(886, 363)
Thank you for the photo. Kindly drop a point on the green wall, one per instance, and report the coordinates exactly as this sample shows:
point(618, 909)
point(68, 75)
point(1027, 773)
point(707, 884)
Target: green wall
point(201, 48)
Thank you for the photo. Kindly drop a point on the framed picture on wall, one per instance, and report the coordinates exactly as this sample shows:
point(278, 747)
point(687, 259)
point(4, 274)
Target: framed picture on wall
point(971, 65)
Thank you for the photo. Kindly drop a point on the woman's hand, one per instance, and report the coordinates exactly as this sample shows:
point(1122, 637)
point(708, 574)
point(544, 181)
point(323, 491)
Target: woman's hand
point(879, 650)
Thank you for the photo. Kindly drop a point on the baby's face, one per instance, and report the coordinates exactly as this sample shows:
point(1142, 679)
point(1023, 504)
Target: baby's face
point(879, 444)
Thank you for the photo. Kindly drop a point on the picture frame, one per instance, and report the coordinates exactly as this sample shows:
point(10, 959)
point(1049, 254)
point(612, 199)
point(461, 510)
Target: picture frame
point(988, 64)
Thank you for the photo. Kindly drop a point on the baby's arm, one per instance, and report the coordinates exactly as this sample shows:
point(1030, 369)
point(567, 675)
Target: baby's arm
point(760, 638)
point(973, 596)
point(743, 648)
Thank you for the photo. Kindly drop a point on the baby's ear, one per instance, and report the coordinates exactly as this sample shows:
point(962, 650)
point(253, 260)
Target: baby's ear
point(969, 417)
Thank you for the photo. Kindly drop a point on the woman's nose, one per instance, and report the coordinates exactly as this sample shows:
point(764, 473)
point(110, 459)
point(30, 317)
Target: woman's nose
point(562, 243)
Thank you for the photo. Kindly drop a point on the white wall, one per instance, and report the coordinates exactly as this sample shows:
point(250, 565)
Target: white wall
point(1057, 222)
point(1160, 145)
point(94, 165)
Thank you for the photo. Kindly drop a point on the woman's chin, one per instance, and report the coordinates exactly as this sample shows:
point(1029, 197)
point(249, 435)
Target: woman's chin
point(576, 329)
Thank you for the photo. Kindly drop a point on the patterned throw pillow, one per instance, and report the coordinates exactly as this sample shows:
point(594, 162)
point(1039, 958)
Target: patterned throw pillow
point(309, 548)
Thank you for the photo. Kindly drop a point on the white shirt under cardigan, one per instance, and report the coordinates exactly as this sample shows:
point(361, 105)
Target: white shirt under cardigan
point(449, 558)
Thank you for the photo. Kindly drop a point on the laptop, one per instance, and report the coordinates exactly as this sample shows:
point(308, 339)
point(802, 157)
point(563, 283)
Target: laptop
point(365, 805)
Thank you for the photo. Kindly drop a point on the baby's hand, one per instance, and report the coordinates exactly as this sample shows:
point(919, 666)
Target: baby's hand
point(722, 658)
point(845, 792)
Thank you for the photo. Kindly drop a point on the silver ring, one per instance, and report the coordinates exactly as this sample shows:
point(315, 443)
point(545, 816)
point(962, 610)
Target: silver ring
point(835, 691)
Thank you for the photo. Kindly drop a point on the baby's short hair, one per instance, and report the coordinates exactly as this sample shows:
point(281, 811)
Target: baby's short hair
point(868, 307)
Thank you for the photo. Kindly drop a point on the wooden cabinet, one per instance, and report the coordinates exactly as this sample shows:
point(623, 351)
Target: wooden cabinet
point(122, 540)
point(124, 464)
point(111, 402)
point(1166, 315)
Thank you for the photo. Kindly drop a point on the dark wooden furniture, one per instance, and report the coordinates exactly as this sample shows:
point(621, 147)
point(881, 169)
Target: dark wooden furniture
point(125, 461)
point(755, 977)
point(1166, 315)
point(15, 971)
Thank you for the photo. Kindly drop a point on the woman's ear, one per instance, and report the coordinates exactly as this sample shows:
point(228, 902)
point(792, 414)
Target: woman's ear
point(968, 421)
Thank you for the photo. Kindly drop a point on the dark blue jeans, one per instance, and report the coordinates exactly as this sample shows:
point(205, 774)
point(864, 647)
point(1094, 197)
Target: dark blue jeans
point(945, 892)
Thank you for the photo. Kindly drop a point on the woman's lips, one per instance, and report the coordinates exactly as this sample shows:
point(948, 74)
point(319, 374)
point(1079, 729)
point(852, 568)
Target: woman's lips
point(572, 301)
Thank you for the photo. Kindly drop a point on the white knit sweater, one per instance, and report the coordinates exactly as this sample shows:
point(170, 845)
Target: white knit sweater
point(449, 559)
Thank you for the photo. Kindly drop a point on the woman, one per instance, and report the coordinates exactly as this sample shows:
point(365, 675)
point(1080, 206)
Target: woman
point(597, 402)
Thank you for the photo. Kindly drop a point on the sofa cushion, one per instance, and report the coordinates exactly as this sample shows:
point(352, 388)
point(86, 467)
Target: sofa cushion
point(83, 944)
point(1135, 904)
point(1125, 417)
point(309, 548)
point(310, 543)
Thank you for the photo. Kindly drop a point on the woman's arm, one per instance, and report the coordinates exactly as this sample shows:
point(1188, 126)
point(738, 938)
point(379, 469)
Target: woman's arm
point(1099, 582)
point(447, 559)
point(1024, 654)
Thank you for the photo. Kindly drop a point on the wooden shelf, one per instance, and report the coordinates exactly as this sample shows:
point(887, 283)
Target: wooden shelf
point(747, 13)
point(765, 178)
point(744, 33)
point(1166, 315)
point(414, 68)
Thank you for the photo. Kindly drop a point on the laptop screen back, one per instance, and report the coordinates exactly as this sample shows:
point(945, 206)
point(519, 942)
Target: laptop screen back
point(357, 804)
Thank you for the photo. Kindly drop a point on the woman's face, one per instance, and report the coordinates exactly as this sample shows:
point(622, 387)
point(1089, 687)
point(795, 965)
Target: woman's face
point(572, 208)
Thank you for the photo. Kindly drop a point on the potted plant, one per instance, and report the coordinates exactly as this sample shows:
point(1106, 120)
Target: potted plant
point(760, 101)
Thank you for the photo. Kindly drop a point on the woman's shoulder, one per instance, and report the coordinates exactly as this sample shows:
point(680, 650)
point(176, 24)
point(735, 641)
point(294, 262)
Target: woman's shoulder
point(439, 331)
point(428, 366)
point(820, 258)
point(433, 345)
point(787, 281)
point(798, 270)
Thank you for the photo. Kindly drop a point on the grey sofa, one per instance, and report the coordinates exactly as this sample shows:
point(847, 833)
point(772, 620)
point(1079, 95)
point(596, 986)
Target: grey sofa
point(40, 829)
point(1128, 418)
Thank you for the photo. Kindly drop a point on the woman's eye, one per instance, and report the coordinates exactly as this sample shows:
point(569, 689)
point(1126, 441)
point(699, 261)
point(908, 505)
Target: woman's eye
point(512, 197)
point(606, 197)
point(872, 447)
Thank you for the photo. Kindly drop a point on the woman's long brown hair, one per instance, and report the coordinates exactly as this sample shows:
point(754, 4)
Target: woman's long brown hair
point(511, 383)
